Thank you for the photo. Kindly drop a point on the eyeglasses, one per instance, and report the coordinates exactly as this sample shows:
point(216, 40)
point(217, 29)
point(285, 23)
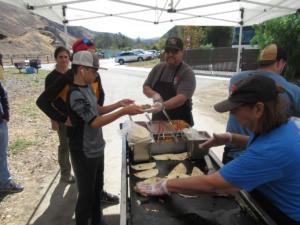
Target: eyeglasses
point(172, 51)
point(87, 42)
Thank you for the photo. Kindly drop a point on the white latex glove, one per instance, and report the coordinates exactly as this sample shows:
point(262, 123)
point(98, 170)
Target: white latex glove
point(156, 107)
point(157, 98)
point(216, 140)
point(158, 189)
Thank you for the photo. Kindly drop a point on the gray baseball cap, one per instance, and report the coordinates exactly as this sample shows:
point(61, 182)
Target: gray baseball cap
point(86, 58)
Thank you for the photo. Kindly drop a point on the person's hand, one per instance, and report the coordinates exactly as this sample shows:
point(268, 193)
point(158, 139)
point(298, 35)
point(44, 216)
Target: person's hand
point(216, 140)
point(158, 189)
point(157, 98)
point(54, 125)
point(155, 108)
point(133, 109)
point(125, 102)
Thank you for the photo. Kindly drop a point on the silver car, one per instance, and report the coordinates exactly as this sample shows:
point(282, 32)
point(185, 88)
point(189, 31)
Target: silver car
point(147, 55)
point(128, 57)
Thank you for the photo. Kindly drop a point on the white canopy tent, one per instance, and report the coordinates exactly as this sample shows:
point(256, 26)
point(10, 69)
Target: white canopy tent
point(151, 13)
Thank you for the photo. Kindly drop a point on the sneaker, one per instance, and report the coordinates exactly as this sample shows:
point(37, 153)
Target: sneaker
point(109, 198)
point(68, 179)
point(12, 188)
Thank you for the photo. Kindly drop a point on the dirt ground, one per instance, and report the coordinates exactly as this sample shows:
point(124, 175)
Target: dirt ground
point(33, 145)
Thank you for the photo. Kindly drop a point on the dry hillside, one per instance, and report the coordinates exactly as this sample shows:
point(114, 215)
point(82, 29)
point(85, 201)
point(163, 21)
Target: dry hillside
point(23, 33)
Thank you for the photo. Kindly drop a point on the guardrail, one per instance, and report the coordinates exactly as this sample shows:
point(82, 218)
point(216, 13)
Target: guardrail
point(20, 58)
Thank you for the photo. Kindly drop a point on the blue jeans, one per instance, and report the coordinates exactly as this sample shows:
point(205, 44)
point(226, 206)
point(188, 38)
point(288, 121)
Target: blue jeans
point(4, 173)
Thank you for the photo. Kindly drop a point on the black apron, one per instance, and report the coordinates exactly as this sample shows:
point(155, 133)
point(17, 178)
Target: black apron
point(167, 90)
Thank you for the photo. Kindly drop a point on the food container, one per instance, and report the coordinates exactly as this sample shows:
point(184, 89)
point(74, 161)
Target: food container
point(164, 143)
point(141, 152)
point(193, 140)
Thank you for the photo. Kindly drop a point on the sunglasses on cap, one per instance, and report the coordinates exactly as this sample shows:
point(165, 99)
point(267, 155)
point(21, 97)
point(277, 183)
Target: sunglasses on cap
point(172, 51)
point(87, 41)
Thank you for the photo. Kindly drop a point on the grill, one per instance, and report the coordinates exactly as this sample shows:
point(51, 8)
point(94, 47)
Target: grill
point(176, 209)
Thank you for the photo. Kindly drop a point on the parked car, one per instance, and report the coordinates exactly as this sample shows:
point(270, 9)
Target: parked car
point(100, 55)
point(155, 53)
point(145, 54)
point(128, 57)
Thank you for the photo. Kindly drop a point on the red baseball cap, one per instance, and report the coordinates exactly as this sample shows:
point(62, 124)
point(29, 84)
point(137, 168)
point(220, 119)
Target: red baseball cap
point(83, 44)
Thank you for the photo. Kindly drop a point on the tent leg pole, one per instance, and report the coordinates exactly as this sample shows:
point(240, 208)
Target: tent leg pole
point(240, 41)
point(66, 33)
point(239, 51)
point(65, 22)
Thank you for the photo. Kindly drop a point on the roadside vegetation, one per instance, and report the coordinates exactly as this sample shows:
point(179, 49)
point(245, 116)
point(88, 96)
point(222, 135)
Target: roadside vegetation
point(286, 32)
point(147, 64)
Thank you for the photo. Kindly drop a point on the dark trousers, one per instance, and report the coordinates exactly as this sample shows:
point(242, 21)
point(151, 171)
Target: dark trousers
point(89, 179)
point(63, 152)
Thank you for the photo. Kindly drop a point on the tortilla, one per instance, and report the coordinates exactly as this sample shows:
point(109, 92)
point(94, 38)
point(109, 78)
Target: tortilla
point(143, 166)
point(151, 180)
point(181, 156)
point(147, 173)
point(179, 171)
point(196, 172)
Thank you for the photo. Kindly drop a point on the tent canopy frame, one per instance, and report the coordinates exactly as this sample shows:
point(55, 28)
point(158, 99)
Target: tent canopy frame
point(282, 7)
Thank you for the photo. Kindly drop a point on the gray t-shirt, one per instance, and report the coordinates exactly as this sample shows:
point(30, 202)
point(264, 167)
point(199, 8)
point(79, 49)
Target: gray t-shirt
point(84, 105)
point(185, 81)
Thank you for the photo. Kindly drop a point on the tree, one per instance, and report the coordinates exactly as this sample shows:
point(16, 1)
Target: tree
point(219, 36)
point(160, 44)
point(286, 32)
point(193, 36)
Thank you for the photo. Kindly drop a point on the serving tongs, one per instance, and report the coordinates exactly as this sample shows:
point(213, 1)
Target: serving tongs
point(160, 135)
point(148, 125)
point(173, 131)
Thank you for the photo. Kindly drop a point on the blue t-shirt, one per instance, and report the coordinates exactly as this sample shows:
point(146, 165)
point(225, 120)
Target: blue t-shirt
point(291, 95)
point(271, 164)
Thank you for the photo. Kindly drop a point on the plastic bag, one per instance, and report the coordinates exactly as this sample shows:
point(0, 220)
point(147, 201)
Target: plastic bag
point(136, 133)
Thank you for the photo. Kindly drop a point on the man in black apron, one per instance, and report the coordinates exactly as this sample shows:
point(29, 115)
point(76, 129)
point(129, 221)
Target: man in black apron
point(171, 85)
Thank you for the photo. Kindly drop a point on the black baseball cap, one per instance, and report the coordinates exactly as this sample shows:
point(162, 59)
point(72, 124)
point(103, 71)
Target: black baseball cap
point(174, 43)
point(250, 90)
point(270, 54)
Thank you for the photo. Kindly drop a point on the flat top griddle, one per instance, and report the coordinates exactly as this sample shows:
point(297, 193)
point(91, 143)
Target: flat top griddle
point(177, 210)
point(174, 209)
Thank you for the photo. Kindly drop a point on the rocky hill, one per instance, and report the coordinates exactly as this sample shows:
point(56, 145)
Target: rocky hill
point(23, 33)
